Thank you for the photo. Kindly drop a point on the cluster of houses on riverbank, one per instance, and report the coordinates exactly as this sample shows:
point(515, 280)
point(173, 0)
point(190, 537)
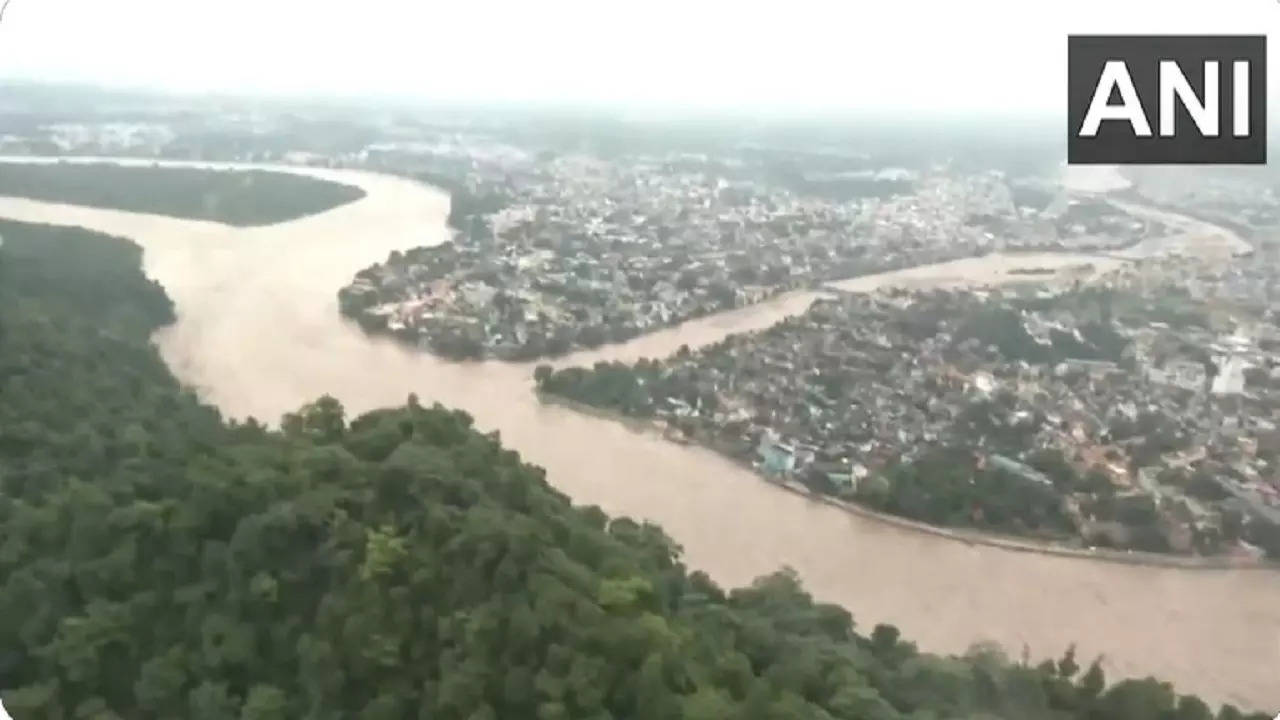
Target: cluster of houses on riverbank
point(590, 251)
point(1151, 405)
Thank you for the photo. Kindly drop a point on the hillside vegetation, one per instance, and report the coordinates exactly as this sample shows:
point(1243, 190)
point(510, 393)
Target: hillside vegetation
point(234, 197)
point(157, 561)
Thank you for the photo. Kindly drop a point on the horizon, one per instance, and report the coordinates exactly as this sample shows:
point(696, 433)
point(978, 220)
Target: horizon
point(815, 60)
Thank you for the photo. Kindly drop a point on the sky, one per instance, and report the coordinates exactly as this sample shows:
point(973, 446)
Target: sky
point(904, 56)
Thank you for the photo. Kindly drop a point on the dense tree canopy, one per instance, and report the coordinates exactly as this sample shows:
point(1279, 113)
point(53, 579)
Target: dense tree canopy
point(944, 486)
point(159, 562)
point(235, 197)
point(468, 205)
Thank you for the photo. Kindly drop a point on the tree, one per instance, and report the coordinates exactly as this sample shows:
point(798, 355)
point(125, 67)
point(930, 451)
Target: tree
point(542, 373)
point(708, 704)
point(592, 336)
point(1093, 682)
point(884, 641)
point(323, 419)
point(1137, 700)
point(1067, 666)
point(264, 702)
point(1232, 525)
point(1192, 708)
point(161, 683)
point(211, 701)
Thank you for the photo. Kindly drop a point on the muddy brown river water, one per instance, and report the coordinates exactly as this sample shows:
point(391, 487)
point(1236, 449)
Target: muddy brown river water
point(258, 333)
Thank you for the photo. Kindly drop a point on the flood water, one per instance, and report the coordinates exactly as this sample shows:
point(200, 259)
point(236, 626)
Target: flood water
point(258, 333)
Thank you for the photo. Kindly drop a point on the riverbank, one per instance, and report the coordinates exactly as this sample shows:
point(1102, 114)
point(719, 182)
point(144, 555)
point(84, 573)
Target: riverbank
point(449, 333)
point(991, 270)
point(963, 535)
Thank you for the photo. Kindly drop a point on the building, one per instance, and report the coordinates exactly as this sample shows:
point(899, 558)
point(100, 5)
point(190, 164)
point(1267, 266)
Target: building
point(1022, 470)
point(1185, 374)
point(1230, 379)
point(776, 458)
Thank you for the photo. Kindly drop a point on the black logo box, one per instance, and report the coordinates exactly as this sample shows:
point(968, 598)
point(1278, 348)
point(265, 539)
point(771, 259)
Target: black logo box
point(1117, 144)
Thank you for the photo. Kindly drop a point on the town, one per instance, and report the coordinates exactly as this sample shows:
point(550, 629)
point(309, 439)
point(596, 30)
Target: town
point(585, 251)
point(1140, 411)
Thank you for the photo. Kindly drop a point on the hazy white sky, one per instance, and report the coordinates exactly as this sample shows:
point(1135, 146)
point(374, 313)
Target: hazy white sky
point(922, 54)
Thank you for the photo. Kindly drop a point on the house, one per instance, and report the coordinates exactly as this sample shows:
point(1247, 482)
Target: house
point(1185, 374)
point(777, 458)
point(478, 295)
point(1230, 380)
point(1252, 501)
point(1022, 470)
point(1096, 369)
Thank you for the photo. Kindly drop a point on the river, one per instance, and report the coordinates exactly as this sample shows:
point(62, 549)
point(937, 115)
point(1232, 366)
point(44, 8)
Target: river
point(258, 333)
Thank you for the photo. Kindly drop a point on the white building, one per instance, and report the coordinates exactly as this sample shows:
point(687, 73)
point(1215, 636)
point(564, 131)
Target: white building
point(1182, 373)
point(1230, 378)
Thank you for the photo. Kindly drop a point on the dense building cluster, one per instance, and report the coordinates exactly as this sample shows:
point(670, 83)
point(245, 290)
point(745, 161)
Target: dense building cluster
point(1143, 412)
point(588, 252)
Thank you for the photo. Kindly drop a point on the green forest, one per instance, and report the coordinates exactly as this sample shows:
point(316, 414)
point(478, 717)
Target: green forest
point(235, 197)
point(159, 561)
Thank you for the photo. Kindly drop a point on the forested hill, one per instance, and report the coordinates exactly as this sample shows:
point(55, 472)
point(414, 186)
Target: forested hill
point(234, 197)
point(158, 562)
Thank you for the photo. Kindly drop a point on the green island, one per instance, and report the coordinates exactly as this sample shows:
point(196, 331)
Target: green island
point(243, 198)
point(159, 561)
